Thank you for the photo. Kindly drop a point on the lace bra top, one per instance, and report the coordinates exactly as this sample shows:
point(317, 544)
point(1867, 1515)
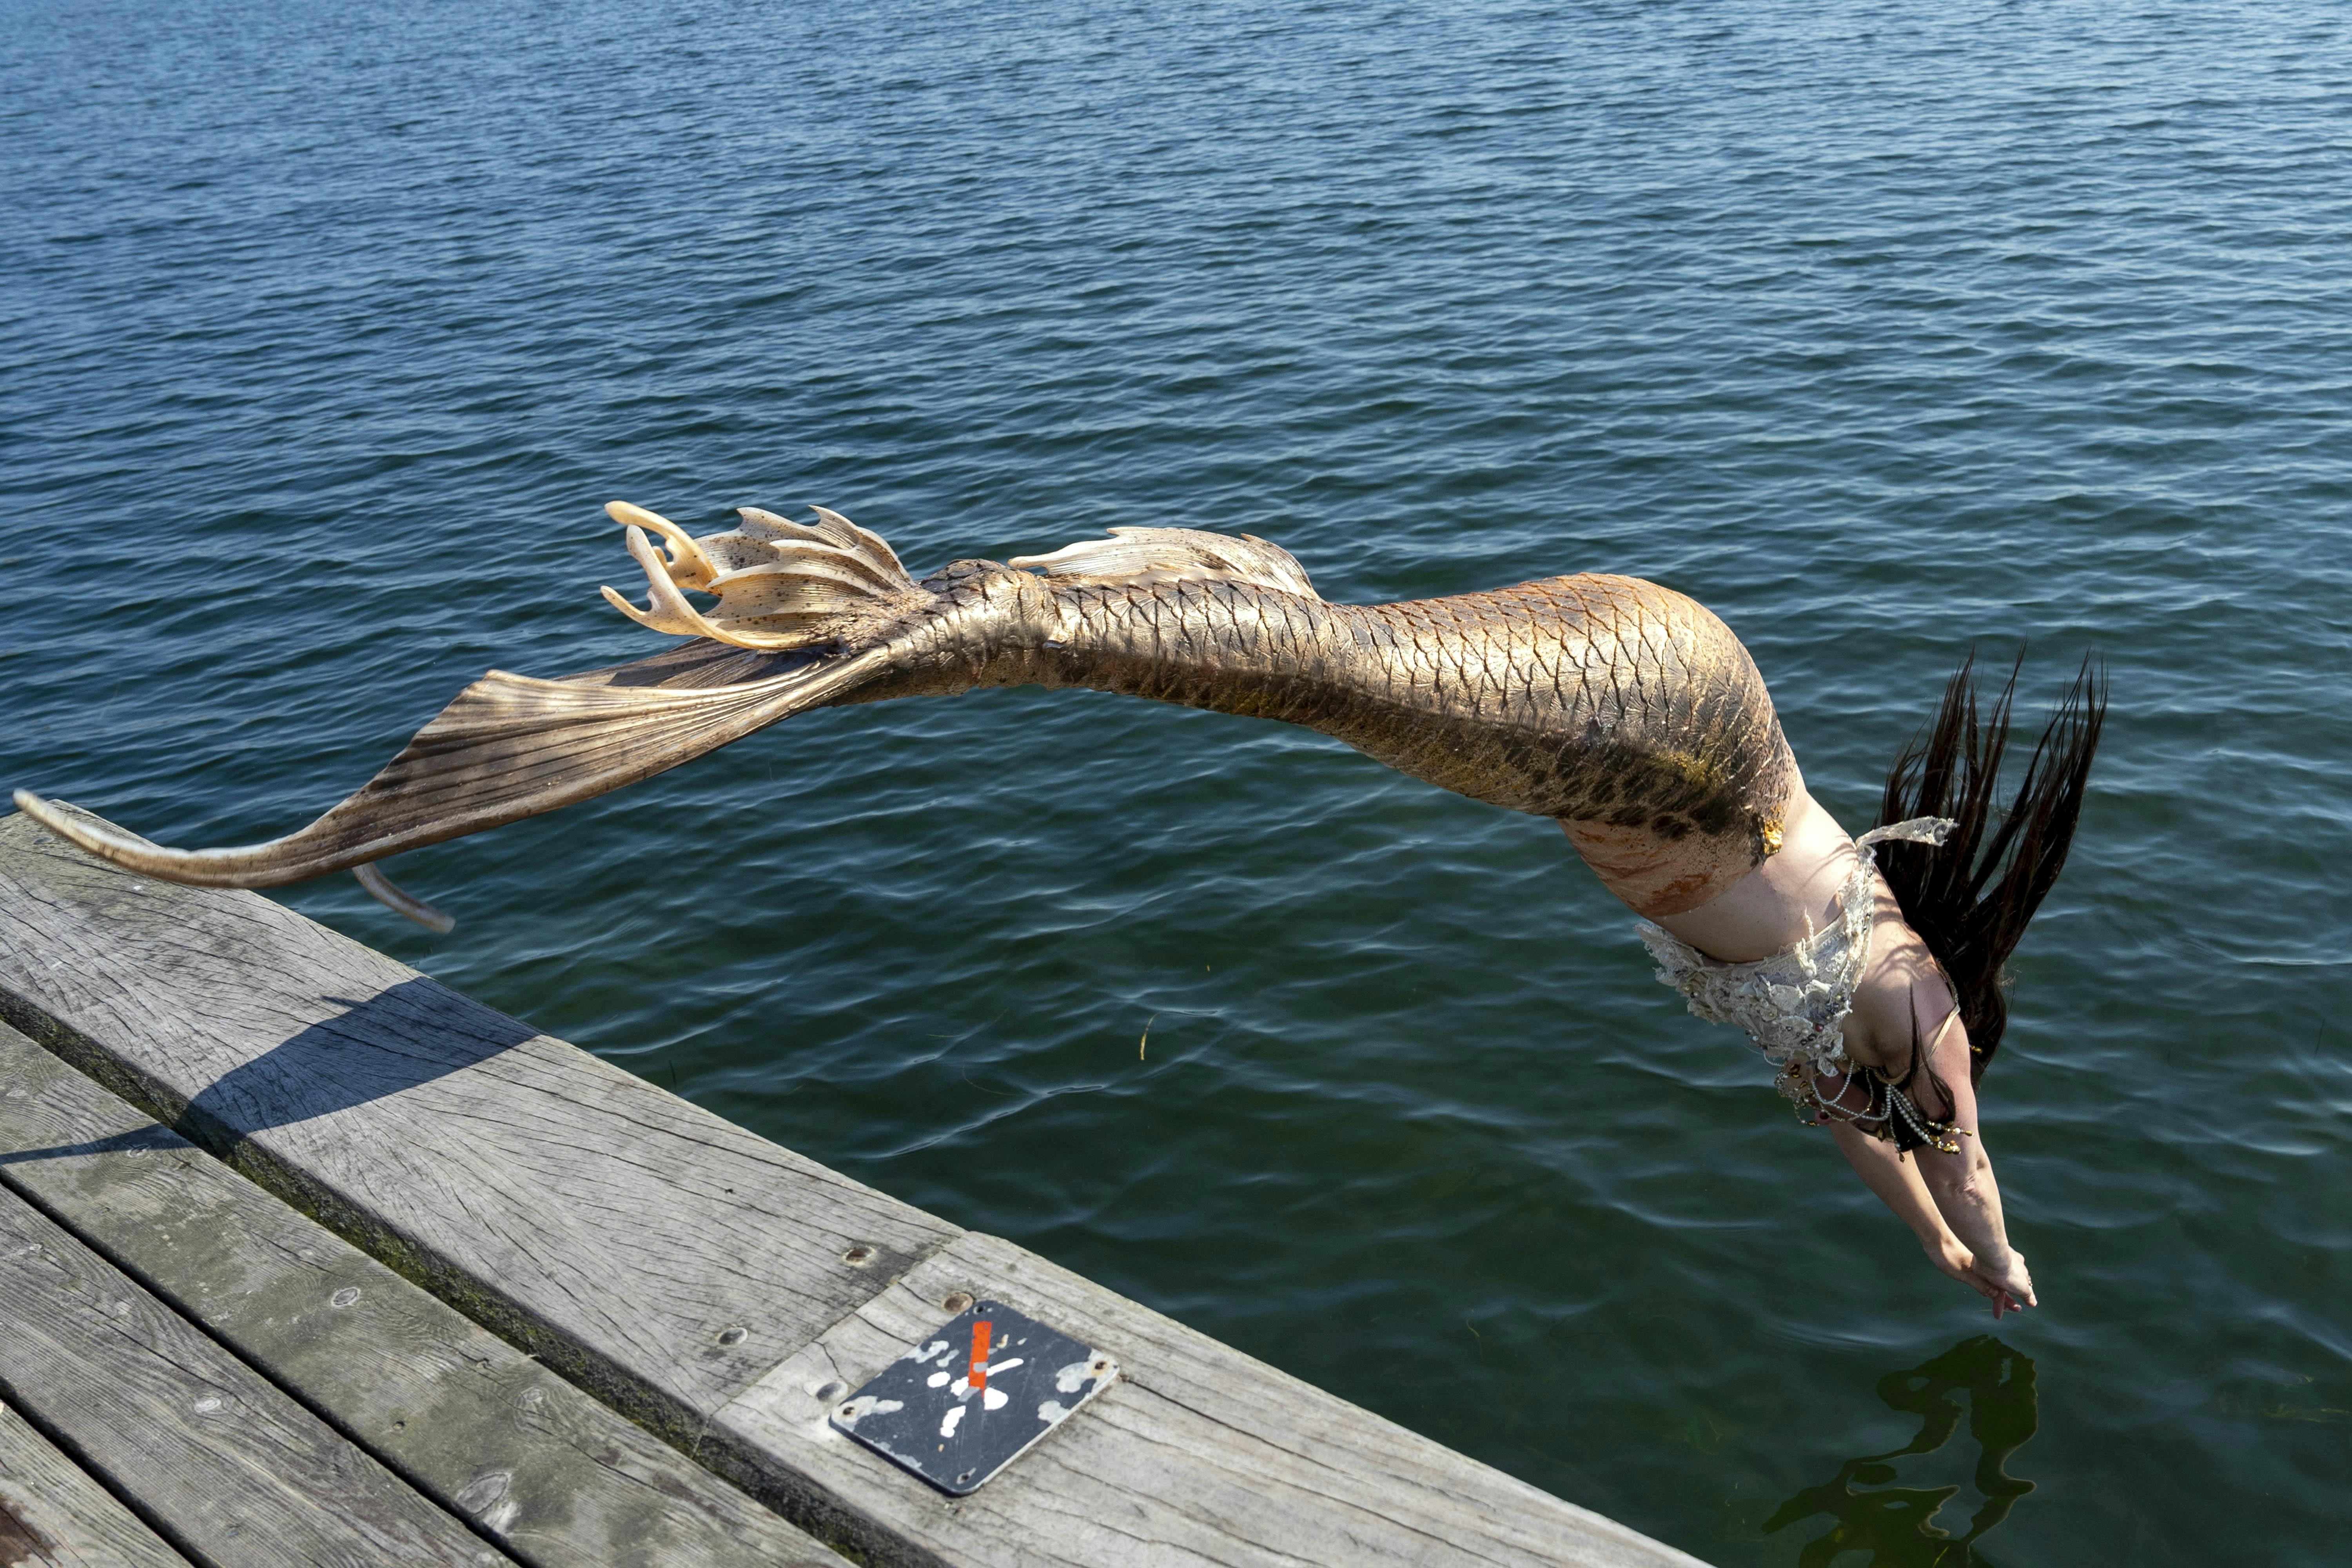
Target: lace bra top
point(1794, 1003)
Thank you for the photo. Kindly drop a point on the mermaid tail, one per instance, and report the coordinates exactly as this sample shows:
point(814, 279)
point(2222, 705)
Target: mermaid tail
point(509, 747)
point(1625, 710)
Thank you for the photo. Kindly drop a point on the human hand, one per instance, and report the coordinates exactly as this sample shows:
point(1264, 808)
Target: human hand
point(1951, 1258)
point(2009, 1290)
point(2007, 1286)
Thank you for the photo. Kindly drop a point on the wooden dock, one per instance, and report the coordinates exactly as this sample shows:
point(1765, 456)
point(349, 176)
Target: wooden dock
point(306, 1258)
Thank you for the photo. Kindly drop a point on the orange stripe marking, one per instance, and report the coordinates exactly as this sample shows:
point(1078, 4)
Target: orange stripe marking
point(978, 1375)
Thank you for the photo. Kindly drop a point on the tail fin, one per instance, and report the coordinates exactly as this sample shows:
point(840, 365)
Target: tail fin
point(1176, 556)
point(781, 585)
point(509, 747)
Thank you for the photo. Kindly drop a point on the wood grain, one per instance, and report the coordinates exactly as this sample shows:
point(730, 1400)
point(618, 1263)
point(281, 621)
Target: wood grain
point(223, 1465)
point(1198, 1456)
point(52, 1515)
point(615, 1230)
point(624, 1236)
point(472, 1422)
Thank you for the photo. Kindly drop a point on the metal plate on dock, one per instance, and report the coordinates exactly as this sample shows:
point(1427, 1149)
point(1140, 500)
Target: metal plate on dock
point(969, 1397)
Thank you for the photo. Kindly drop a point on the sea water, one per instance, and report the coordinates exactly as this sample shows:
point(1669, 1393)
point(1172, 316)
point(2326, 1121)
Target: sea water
point(1888, 329)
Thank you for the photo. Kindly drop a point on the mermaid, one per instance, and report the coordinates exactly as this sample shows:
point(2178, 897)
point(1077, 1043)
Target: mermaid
point(1867, 969)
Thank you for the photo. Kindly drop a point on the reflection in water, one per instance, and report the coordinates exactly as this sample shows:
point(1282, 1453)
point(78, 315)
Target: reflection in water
point(1896, 1524)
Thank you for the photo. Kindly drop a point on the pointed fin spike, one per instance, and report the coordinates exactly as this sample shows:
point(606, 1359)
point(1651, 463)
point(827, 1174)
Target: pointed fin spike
point(862, 579)
point(382, 888)
point(688, 563)
point(771, 591)
point(1283, 560)
point(839, 563)
point(850, 585)
point(779, 633)
point(689, 567)
point(760, 642)
point(768, 529)
point(661, 589)
point(652, 622)
point(871, 541)
point(835, 527)
point(670, 606)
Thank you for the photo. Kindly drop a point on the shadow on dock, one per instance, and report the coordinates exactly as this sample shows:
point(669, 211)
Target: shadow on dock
point(404, 1036)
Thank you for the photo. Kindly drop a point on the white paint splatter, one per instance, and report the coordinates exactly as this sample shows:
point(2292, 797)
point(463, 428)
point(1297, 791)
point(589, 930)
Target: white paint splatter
point(1052, 1410)
point(996, 1367)
point(1067, 1381)
point(954, 1419)
point(992, 1398)
point(922, 1353)
point(936, 1380)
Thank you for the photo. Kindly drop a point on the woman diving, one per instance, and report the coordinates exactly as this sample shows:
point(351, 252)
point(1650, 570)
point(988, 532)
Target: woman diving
point(1868, 970)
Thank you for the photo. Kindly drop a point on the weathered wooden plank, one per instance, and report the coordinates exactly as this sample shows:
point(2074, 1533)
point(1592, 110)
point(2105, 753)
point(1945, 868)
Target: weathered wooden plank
point(659, 1256)
point(629, 1239)
point(52, 1515)
point(1198, 1456)
point(547, 1473)
point(225, 1465)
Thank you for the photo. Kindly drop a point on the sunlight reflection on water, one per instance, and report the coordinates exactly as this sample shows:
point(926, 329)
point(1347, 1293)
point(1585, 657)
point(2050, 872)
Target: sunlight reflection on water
point(1881, 329)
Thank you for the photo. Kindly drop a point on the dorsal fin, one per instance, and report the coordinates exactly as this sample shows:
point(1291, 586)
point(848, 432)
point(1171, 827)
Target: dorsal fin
point(781, 585)
point(1176, 556)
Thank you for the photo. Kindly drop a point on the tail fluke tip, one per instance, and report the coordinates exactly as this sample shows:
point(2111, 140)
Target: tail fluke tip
point(101, 839)
point(58, 822)
point(382, 888)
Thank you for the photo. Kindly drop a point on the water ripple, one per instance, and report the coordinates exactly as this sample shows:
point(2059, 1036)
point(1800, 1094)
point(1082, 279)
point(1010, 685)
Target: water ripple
point(1885, 329)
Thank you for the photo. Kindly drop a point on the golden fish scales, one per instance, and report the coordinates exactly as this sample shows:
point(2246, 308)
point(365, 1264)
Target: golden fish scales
point(1623, 709)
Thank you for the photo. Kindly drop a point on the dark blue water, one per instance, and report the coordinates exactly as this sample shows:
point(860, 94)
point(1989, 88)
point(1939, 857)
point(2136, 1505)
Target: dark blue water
point(1884, 329)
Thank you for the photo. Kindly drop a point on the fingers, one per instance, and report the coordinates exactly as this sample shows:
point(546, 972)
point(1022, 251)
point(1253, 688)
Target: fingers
point(2003, 1298)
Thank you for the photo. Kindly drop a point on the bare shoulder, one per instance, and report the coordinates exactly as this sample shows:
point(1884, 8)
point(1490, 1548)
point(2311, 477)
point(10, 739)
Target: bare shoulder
point(1902, 992)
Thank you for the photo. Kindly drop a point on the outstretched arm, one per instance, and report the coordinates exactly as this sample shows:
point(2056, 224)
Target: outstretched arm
point(1900, 1186)
point(1962, 1185)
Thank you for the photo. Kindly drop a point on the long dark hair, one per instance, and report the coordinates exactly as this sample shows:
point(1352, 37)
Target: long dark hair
point(1969, 900)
